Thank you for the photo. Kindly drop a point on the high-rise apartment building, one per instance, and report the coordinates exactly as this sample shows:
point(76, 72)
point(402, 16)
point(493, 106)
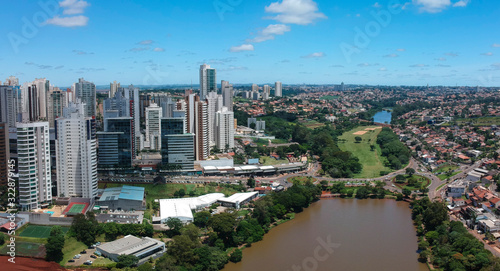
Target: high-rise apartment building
point(113, 88)
point(225, 129)
point(33, 149)
point(115, 143)
point(227, 95)
point(86, 92)
point(278, 89)
point(76, 154)
point(8, 105)
point(42, 86)
point(214, 104)
point(197, 123)
point(153, 126)
point(208, 80)
point(11, 81)
point(56, 102)
point(255, 88)
point(4, 153)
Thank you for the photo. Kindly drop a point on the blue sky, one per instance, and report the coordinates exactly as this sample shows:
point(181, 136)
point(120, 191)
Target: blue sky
point(412, 42)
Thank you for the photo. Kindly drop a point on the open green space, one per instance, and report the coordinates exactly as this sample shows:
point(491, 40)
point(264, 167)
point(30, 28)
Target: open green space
point(301, 179)
point(445, 168)
point(28, 249)
point(414, 182)
point(481, 121)
point(313, 124)
point(330, 97)
point(38, 231)
point(71, 248)
point(446, 176)
point(101, 261)
point(372, 161)
point(269, 161)
point(279, 141)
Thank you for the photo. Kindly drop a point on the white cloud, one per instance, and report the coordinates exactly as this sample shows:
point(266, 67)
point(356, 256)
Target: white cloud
point(452, 54)
point(487, 54)
point(496, 66)
point(270, 31)
point(419, 66)
point(72, 21)
point(377, 5)
point(367, 64)
point(495, 45)
point(432, 6)
point(301, 12)
point(461, 3)
point(72, 7)
point(441, 59)
point(315, 55)
point(145, 42)
point(241, 48)
point(382, 69)
point(158, 49)
point(401, 50)
point(392, 55)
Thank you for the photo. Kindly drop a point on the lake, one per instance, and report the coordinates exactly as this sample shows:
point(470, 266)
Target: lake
point(339, 234)
point(383, 117)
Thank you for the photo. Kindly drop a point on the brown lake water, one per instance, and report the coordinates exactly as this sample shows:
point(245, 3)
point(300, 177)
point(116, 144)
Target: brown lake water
point(339, 234)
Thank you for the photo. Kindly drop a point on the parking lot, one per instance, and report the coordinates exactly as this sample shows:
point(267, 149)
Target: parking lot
point(83, 258)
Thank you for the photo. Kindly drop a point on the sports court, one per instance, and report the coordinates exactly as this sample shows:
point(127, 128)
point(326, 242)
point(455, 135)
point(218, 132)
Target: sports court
point(38, 231)
point(76, 208)
point(360, 133)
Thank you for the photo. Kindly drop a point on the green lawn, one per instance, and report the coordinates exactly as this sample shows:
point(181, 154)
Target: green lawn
point(481, 121)
point(372, 161)
point(330, 97)
point(101, 261)
point(29, 249)
point(312, 124)
point(279, 141)
point(71, 248)
point(445, 168)
point(269, 161)
point(38, 231)
point(446, 176)
point(301, 179)
point(418, 182)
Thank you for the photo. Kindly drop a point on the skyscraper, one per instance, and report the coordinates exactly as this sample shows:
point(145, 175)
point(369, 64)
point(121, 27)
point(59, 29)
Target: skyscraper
point(113, 88)
point(197, 123)
point(76, 154)
point(115, 143)
point(11, 81)
point(42, 86)
point(153, 126)
point(85, 91)
point(255, 88)
point(33, 143)
point(8, 105)
point(266, 92)
point(214, 104)
point(208, 81)
point(227, 95)
point(225, 129)
point(178, 152)
point(4, 153)
point(278, 89)
point(56, 102)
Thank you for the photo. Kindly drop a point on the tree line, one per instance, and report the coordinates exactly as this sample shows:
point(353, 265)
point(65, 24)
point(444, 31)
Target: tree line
point(397, 153)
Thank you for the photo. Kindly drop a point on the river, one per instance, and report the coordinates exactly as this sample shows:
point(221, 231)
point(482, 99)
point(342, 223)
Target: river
point(339, 234)
point(383, 117)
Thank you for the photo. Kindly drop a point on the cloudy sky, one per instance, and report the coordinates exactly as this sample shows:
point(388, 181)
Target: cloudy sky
point(412, 42)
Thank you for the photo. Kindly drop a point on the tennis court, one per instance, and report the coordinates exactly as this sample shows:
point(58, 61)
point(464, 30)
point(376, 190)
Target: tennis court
point(76, 208)
point(38, 231)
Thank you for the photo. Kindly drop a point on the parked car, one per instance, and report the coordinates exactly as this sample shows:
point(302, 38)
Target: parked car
point(71, 261)
point(77, 256)
point(88, 262)
point(83, 252)
point(93, 256)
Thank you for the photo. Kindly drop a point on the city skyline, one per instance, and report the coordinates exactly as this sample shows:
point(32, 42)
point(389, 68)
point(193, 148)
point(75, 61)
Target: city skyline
point(419, 42)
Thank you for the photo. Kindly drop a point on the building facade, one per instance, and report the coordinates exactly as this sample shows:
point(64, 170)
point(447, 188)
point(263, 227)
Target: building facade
point(278, 89)
point(85, 91)
point(4, 153)
point(225, 129)
point(208, 80)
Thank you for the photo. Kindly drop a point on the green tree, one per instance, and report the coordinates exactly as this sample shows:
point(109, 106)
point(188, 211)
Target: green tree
point(406, 192)
point(251, 182)
point(358, 139)
point(174, 225)
point(110, 230)
point(2, 239)
point(55, 244)
point(201, 218)
point(410, 171)
point(400, 178)
point(85, 228)
point(236, 256)
point(435, 214)
point(126, 261)
point(223, 224)
point(362, 193)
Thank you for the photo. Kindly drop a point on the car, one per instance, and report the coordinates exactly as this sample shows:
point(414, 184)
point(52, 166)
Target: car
point(71, 261)
point(83, 252)
point(93, 256)
point(77, 256)
point(88, 262)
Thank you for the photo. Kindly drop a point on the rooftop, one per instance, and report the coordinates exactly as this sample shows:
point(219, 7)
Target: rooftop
point(124, 192)
point(129, 245)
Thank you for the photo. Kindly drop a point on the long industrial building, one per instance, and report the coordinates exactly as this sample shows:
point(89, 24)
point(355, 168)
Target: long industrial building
point(142, 248)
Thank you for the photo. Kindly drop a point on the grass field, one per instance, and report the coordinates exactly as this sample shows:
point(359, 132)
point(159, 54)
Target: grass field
point(372, 161)
point(28, 249)
point(329, 97)
point(481, 121)
point(312, 124)
point(269, 161)
point(38, 231)
point(71, 248)
point(417, 180)
point(301, 179)
point(445, 168)
point(446, 176)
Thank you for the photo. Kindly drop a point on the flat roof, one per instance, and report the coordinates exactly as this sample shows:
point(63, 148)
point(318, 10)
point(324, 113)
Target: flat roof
point(239, 197)
point(129, 245)
point(178, 209)
point(125, 192)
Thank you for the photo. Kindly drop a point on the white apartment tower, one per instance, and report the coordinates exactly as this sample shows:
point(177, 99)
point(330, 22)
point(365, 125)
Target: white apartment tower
point(278, 89)
point(225, 129)
point(85, 91)
point(153, 126)
point(76, 153)
point(227, 95)
point(33, 147)
point(214, 104)
point(113, 88)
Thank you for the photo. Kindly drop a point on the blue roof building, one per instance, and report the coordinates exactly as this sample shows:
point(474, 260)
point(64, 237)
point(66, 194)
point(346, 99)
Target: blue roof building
point(124, 198)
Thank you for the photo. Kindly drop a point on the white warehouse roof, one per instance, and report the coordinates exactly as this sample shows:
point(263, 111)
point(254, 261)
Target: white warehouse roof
point(239, 197)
